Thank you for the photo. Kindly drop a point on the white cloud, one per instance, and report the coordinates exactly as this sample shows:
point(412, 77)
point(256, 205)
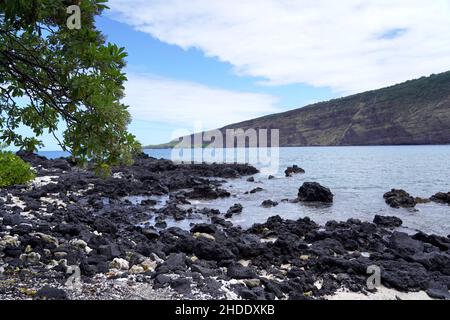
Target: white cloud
point(319, 42)
point(185, 103)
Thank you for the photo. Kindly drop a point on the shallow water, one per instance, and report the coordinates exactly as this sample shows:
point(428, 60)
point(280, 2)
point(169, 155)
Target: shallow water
point(358, 177)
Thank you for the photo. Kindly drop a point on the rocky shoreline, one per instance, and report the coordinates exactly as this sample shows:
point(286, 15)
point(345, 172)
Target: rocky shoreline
point(73, 235)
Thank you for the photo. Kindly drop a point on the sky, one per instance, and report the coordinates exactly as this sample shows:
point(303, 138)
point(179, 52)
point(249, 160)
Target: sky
point(203, 64)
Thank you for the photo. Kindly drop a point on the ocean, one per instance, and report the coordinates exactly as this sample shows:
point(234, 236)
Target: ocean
point(358, 177)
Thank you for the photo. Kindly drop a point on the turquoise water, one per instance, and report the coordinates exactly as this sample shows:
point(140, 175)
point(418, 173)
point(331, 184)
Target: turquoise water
point(358, 177)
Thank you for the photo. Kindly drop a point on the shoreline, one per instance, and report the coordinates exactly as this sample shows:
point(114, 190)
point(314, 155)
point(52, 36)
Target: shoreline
point(305, 146)
point(70, 217)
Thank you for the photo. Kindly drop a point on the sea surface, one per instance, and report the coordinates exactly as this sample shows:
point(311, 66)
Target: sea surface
point(358, 177)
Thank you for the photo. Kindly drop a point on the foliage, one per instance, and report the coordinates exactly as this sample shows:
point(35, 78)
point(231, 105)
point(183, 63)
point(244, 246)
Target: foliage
point(13, 170)
point(53, 77)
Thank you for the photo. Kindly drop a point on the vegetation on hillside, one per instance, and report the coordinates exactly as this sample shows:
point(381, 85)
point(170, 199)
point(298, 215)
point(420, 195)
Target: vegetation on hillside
point(413, 112)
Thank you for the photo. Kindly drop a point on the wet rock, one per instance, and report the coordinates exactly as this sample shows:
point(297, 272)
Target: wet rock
point(207, 192)
point(160, 224)
point(209, 212)
point(234, 209)
point(172, 210)
point(269, 204)
point(441, 197)
point(420, 200)
point(221, 222)
point(290, 171)
point(148, 202)
point(255, 190)
point(271, 177)
point(399, 199)
point(388, 222)
point(314, 192)
point(251, 179)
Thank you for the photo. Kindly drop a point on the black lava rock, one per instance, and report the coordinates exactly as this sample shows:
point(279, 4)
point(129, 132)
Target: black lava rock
point(314, 192)
point(399, 199)
point(234, 209)
point(389, 222)
point(238, 271)
point(290, 171)
point(441, 197)
point(51, 293)
point(269, 204)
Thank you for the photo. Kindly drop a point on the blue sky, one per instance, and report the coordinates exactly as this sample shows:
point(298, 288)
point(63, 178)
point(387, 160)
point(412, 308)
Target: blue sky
point(147, 55)
point(203, 64)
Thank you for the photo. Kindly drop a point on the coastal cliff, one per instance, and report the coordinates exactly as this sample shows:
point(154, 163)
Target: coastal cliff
point(413, 112)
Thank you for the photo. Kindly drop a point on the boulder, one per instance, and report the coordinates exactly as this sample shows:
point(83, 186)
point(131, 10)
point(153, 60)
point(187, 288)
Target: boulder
point(290, 171)
point(314, 192)
point(236, 208)
point(176, 262)
point(404, 246)
point(68, 229)
point(204, 228)
point(388, 222)
point(51, 293)
point(255, 190)
point(211, 250)
point(238, 271)
point(269, 204)
point(441, 197)
point(150, 233)
point(207, 192)
point(398, 198)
